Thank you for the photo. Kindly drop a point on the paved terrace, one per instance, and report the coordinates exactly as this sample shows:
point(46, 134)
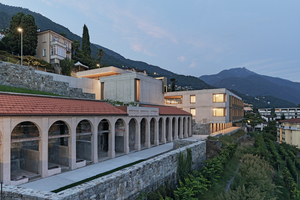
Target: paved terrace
point(225, 131)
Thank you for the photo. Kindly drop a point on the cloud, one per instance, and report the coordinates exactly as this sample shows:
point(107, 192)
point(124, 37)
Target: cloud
point(181, 58)
point(193, 64)
point(47, 2)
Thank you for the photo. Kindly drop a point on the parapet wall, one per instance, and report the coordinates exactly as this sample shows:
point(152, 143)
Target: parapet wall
point(26, 77)
point(124, 184)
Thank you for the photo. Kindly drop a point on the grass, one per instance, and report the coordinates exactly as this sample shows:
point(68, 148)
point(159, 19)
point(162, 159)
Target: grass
point(96, 176)
point(226, 139)
point(229, 172)
point(5, 88)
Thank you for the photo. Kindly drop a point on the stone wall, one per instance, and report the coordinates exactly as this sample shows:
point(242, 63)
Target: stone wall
point(182, 143)
point(26, 77)
point(201, 129)
point(124, 184)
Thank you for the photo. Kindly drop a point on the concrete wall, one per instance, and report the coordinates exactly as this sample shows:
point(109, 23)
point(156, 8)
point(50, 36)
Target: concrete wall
point(26, 77)
point(121, 88)
point(124, 184)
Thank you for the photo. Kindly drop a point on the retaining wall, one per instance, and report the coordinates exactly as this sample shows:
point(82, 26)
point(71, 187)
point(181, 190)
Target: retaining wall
point(124, 184)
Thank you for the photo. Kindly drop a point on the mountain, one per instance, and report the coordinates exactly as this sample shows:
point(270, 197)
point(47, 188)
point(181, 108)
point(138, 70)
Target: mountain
point(110, 58)
point(247, 82)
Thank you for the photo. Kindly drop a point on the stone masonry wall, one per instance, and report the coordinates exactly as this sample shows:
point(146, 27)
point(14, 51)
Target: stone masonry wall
point(201, 129)
point(124, 184)
point(26, 77)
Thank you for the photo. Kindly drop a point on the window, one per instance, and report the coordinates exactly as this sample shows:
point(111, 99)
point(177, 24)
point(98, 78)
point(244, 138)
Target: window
point(56, 50)
point(193, 112)
point(173, 100)
point(136, 90)
point(44, 52)
point(193, 98)
point(44, 38)
point(102, 91)
point(219, 112)
point(217, 98)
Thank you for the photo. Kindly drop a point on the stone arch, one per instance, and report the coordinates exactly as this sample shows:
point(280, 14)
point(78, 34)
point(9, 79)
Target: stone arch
point(143, 132)
point(179, 127)
point(184, 126)
point(120, 128)
point(189, 127)
point(152, 130)
point(58, 147)
point(25, 154)
point(104, 129)
point(84, 131)
point(160, 130)
point(132, 133)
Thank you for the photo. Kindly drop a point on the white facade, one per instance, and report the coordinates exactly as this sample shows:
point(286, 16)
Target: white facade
point(289, 113)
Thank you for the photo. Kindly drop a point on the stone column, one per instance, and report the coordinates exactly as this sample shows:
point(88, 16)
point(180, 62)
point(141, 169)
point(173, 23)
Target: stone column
point(147, 139)
point(211, 128)
point(170, 138)
point(156, 132)
point(126, 137)
point(94, 140)
point(111, 140)
point(181, 128)
point(176, 129)
point(72, 143)
point(186, 128)
point(5, 146)
point(43, 148)
point(163, 131)
point(190, 129)
point(138, 135)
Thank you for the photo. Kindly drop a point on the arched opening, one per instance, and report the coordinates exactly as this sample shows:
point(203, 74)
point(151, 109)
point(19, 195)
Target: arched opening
point(160, 129)
point(173, 127)
point(167, 129)
point(184, 126)
point(119, 137)
point(24, 157)
point(179, 125)
point(189, 126)
point(143, 132)
point(132, 132)
point(152, 130)
point(103, 133)
point(58, 147)
point(83, 143)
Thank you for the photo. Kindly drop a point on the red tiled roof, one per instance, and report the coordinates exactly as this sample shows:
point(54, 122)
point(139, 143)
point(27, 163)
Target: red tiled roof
point(18, 104)
point(295, 120)
point(123, 108)
point(168, 110)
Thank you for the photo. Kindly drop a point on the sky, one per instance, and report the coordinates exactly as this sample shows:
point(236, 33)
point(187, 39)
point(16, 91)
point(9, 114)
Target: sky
point(192, 37)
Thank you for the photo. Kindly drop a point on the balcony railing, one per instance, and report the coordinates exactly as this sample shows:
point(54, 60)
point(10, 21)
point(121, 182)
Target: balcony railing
point(142, 111)
point(55, 42)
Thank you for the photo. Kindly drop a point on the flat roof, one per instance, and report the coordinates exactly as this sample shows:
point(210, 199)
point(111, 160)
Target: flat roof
point(33, 105)
point(167, 110)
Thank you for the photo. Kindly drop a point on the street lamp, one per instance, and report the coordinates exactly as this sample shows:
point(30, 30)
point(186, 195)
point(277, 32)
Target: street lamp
point(98, 65)
point(21, 30)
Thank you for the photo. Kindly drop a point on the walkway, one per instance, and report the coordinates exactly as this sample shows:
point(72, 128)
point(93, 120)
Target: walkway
point(66, 178)
point(225, 131)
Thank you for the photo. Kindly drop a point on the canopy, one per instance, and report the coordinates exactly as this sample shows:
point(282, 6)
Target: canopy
point(81, 65)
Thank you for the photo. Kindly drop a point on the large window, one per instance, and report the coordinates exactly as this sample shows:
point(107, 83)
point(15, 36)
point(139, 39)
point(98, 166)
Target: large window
point(173, 100)
point(137, 90)
point(193, 112)
point(56, 50)
point(44, 52)
point(217, 98)
point(219, 112)
point(193, 98)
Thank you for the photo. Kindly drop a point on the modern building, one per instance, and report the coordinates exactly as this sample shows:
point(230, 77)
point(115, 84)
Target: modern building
point(289, 131)
point(42, 135)
point(53, 47)
point(217, 107)
point(126, 85)
point(289, 113)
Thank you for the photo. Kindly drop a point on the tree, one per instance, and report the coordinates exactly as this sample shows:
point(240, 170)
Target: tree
point(282, 116)
point(100, 55)
point(63, 34)
point(298, 105)
point(66, 66)
point(30, 38)
point(86, 49)
point(173, 81)
point(273, 112)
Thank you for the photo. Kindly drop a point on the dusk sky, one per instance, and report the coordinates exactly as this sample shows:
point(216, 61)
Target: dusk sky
point(188, 37)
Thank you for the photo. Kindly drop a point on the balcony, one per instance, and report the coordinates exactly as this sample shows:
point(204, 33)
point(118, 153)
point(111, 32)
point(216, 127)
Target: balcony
point(57, 57)
point(55, 42)
point(68, 49)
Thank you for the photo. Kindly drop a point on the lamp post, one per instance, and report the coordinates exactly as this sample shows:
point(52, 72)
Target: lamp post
point(21, 30)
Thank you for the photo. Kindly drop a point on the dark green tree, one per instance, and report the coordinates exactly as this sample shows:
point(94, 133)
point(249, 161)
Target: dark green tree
point(282, 116)
point(273, 112)
point(2, 46)
point(76, 51)
point(30, 38)
point(173, 81)
point(66, 66)
point(99, 56)
point(86, 49)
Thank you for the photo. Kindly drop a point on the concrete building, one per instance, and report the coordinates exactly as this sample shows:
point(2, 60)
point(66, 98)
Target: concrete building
point(289, 131)
point(53, 47)
point(42, 135)
point(217, 107)
point(289, 113)
point(126, 85)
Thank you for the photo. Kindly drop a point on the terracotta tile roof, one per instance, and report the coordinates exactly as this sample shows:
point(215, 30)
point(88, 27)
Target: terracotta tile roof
point(19, 104)
point(123, 108)
point(168, 110)
point(295, 120)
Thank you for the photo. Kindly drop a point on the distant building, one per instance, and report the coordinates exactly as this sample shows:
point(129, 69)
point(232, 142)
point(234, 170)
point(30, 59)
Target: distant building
point(219, 107)
point(2, 35)
point(53, 47)
point(248, 107)
point(289, 131)
point(289, 113)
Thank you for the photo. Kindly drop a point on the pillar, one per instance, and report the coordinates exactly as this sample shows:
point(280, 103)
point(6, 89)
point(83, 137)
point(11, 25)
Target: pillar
point(186, 128)
point(126, 137)
point(147, 139)
point(138, 136)
point(163, 131)
point(5, 146)
point(72, 143)
point(190, 129)
point(94, 140)
point(181, 128)
point(176, 129)
point(156, 132)
point(43, 148)
point(111, 140)
point(170, 138)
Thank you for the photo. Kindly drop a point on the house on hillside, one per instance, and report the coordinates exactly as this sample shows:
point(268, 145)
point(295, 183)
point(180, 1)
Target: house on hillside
point(288, 131)
point(53, 47)
point(289, 113)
